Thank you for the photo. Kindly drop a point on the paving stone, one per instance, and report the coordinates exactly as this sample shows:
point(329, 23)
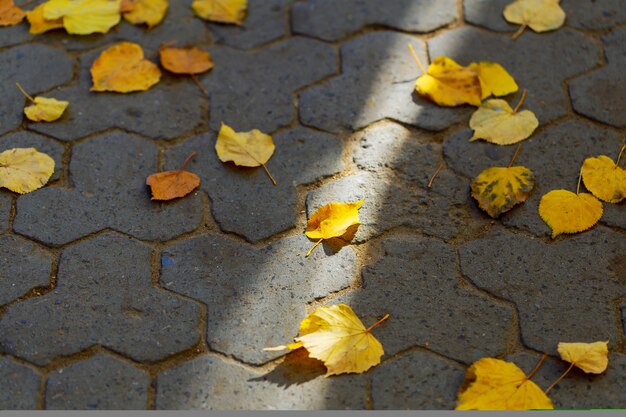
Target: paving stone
point(209, 382)
point(19, 386)
point(256, 297)
point(98, 383)
point(563, 290)
point(377, 81)
point(567, 52)
point(26, 139)
point(331, 20)
point(544, 154)
point(23, 266)
point(103, 296)
point(418, 380)
point(244, 200)
point(593, 14)
point(108, 175)
point(416, 283)
point(614, 46)
point(488, 14)
point(6, 200)
point(28, 64)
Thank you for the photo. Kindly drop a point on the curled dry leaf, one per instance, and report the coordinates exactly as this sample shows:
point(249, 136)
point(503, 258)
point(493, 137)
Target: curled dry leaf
point(496, 122)
point(499, 189)
point(332, 220)
point(567, 212)
point(336, 336)
point(38, 24)
point(605, 178)
point(539, 15)
point(593, 358)
point(223, 11)
point(149, 12)
point(23, 170)
point(43, 109)
point(82, 17)
point(190, 60)
point(123, 69)
point(10, 14)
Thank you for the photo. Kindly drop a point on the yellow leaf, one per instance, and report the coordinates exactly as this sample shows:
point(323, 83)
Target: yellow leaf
point(23, 170)
point(604, 178)
point(38, 24)
point(566, 212)
point(539, 15)
point(10, 14)
point(337, 337)
point(498, 189)
point(189, 60)
point(593, 358)
point(333, 220)
point(224, 11)
point(82, 17)
point(496, 122)
point(122, 68)
point(494, 80)
point(493, 384)
point(45, 109)
point(150, 12)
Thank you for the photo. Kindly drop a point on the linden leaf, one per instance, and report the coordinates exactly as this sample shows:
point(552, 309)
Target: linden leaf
point(23, 170)
point(498, 190)
point(494, 79)
point(150, 12)
point(604, 178)
point(10, 14)
point(332, 220)
point(45, 109)
point(38, 24)
point(539, 15)
point(336, 336)
point(493, 384)
point(223, 11)
point(82, 17)
point(593, 358)
point(189, 60)
point(566, 212)
point(169, 185)
point(496, 122)
point(122, 68)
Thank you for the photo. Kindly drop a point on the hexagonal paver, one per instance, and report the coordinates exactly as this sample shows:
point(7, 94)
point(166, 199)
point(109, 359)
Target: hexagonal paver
point(555, 156)
point(593, 14)
point(103, 295)
point(377, 81)
point(256, 296)
point(567, 52)
point(244, 200)
point(23, 266)
point(416, 282)
point(563, 291)
point(209, 382)
point(6, 200)
point(108, 173)
point(27, 64)
point(98, 383)
point(488, 14)
point(19, 386)
point(26, 139)
point(331, 20)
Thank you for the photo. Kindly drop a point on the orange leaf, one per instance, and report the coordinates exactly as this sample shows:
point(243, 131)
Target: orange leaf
point(190, 60)
point(169, 185)
point(10, 14)
point(38, 24)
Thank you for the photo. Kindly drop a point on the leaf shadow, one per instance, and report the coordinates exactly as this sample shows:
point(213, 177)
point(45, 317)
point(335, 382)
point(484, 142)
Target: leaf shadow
point(335, 244)
point(297, 368)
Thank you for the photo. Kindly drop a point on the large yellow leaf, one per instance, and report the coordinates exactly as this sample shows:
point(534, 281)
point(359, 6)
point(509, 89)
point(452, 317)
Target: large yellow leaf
point(150, 12)
point(604, 178)
point(189, 60)
point(224, 11)
point(496, 122)
point(82, 17)
point(494, 79)
point(566, 212)
point(45, 109)
point(122, 68)
point(539, 15)
point(38, 24)
point(10, 14)
point(337, 337)
point(23, 170)
point(593, 358)
point(498, 189)
point(493, 384)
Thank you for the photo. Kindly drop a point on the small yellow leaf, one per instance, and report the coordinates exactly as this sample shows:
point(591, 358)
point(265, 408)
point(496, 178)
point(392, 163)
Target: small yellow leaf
point(122, 68)
point(498, 189)
point(23, 170)
point(496, 122)
point(82, 17)
point(189, 60)
point(593, 358)
point(493, 384)
point(10, 14)
point(449, 84)
point(45, 109)
point(333, 220)
point(150, 12)
point(38, 24)
point(248, 149)
point(604, 179)
point(539, 15)
point(566, 212)
point(494, 79)
point(223, 11)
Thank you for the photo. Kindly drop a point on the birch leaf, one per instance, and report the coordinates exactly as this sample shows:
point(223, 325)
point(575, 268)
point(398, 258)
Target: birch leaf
point(499, 189)
point(567, 212)
point(593, 358)
point(23, 170)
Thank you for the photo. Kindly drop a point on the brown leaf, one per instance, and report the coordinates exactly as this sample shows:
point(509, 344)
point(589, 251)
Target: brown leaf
point(169, 185)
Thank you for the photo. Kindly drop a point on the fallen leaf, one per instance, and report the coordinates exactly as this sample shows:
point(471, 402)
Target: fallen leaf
point(223, 11)
point(336, 336)
point(499, 189)
point(539, 15)
point(494, 79)
point(150, 12)
point(169, 185)
point(604, 178)
point(23, 170)
point(593, 358)
point(122, 68)
point(38, 24)
point(43, 109)
point(332, 220)
point(567, 212)
point(496, 122)
point(493, 384)
point(247, 149)
point(10, 14)
point(189, 60)
point(82, 17)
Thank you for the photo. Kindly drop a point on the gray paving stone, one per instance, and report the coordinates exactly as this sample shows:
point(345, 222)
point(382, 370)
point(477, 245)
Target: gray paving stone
point(563, 290)
point(23, 266)
point(103, 296)
point(256, 297)
point(244, 200)
point(28, 65)
point(416, 283)
point(98, 383)
point(488, 14)
point(26, 139)
point(593, 14)
point(19, 386)
point(331, 20)
point(211, 383)
point(556, 165)
point(108, 175)
point(377, 81)
point(568, 53)
point(614, 46)
point(6, 199)
point(418, 380)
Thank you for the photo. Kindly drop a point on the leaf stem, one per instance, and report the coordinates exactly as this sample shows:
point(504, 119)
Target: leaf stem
point(189, 158)
point(24, 92)
point(199, 84)
point(417, 59)
point(314, 246)
point(521, 101)
point(559, 379)
point(267, 171)
point(620, 155)
point(580, 176)
point(515, 155)
point(432, 179)
point(536, 368)
point(377, 323)
point(519, 31)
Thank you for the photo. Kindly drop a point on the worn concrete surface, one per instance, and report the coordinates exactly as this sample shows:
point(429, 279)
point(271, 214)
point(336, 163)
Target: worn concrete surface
point(111, 301)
